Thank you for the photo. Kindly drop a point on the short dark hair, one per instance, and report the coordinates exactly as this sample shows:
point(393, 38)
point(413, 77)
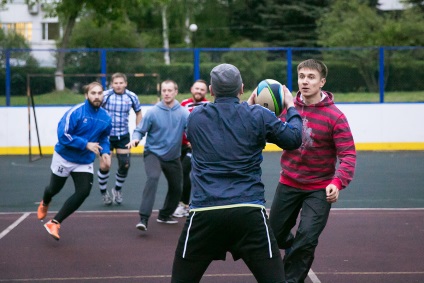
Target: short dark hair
point(170, 82)
point(314, 64)
point(201, 81)
point(119, 75)
point(90, 86)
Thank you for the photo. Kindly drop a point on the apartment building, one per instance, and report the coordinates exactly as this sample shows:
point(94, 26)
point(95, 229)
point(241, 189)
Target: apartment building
point(30, 21)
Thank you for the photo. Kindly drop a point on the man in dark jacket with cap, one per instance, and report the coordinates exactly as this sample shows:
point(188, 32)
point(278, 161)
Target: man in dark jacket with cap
point(227, 212)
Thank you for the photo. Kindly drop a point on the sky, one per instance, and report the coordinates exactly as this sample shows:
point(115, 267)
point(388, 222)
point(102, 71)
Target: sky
point(390, 5)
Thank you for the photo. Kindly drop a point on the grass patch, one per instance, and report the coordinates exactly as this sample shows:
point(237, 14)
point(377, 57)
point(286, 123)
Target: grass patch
point(71, 98)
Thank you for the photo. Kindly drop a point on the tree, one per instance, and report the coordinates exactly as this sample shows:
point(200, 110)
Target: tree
point(165, 30)
point(69, 10)
point(114, 34)
point(243, 61)
point(214, 21)
point(13, 40)
point(351, 23)
point(291, 22)
point(246, 20)
point(415, 3)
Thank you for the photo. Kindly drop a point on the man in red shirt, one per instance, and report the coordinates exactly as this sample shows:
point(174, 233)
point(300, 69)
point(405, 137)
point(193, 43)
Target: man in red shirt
point(198, 90)
point(312, 175)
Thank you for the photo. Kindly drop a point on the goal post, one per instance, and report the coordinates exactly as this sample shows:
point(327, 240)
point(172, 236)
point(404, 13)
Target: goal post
point(31, 106)
point(152, 75)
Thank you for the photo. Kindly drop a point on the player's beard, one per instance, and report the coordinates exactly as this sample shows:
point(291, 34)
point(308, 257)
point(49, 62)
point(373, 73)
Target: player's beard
point(96, 103)
point(198, 97)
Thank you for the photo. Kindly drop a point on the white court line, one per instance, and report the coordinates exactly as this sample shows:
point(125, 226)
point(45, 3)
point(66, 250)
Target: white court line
point(21, 165)
point(14, 224)
point(313, 277)
point(268, 210)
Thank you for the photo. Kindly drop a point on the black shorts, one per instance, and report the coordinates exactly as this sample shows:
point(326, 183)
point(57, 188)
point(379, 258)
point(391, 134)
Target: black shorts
point(119, 141)
point(243, 231)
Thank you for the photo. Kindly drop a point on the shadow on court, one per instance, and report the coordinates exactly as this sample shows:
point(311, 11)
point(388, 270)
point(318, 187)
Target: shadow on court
point(375, 232)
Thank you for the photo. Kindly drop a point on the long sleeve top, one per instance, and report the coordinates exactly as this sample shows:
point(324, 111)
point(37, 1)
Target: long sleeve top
point(227, 139)
point(164, 127)
point(327, 140)
point(81, 124)
point(118, 107)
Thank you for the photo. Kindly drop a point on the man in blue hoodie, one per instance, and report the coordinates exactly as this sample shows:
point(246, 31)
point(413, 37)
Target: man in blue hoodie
point(164, 125)
point(83, 132)
point(227, 212)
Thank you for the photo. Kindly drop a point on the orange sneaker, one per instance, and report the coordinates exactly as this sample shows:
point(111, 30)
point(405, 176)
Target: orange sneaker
point(53, 229)
point(42, 211)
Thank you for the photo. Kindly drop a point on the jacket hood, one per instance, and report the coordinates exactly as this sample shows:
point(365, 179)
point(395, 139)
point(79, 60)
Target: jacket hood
point(162, 105)
point(328, 100)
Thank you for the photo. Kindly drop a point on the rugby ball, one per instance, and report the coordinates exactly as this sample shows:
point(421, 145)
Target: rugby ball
point(270, 94)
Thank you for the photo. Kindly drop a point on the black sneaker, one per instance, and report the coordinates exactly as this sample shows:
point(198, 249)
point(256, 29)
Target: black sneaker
point(142, 225)
point(166, 220)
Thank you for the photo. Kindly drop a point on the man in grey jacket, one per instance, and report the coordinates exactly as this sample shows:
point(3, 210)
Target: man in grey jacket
point(164, 125)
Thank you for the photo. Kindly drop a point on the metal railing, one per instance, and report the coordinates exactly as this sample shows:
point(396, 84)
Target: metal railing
point(351, 69)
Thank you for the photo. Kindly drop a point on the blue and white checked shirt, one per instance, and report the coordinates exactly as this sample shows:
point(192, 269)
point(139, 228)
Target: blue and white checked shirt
point(118, 107)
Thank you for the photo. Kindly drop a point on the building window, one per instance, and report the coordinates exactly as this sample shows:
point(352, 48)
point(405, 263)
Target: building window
point(24, 29)
point(51, 31)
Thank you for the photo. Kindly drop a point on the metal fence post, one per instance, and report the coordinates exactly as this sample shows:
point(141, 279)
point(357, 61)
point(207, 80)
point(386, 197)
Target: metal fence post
point(7, 83)
point(289, 69)
point(103, 66)
point(381, 74)
point(196, 67)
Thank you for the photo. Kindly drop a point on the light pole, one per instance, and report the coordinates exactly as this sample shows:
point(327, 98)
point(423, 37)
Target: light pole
point(193, 28)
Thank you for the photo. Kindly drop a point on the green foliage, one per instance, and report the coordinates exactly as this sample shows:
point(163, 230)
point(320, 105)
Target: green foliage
point(115, 34)
point(13, 40)
point(353, 23)
point(70, 98)
point(245, 19)
point(419, 4)
point(243, 60)
point(213, 21)
point(105, 10)
point(344, 77)
point(291, 22)
point(405, 31)
point(350, 23)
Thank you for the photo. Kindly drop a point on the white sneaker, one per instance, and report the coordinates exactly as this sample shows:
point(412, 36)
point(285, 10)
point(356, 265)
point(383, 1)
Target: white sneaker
point(117, 196)
point(142, 225)
point(107, 200)
point(181, 211)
